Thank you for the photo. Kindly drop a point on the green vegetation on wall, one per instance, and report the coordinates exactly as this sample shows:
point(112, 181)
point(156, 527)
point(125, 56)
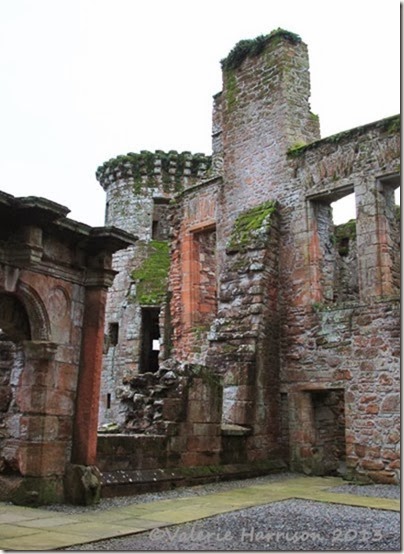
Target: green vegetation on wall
point(141, 167)
point(388, 125)
point(151, 276)
point(254, 47)
point(249, 223)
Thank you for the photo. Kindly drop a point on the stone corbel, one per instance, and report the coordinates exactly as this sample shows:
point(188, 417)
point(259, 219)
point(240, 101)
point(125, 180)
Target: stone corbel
point(9, 278)
point(99, 278)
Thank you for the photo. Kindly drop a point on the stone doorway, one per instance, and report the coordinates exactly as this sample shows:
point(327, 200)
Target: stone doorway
point(329, 446)
point(14, 328)
point(317, 431)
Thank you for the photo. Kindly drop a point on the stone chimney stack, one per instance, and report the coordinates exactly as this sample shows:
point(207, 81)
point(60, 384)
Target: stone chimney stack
point(264, 111)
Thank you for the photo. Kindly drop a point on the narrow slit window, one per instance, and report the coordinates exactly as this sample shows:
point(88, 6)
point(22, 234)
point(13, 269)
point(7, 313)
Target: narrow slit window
point(113, 334)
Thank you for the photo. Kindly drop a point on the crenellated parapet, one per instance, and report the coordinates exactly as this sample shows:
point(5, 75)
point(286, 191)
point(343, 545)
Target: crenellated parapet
point(169, 171)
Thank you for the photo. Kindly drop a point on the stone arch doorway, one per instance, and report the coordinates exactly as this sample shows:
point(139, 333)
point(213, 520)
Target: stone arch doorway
point(26, 373)
point(14, 329)
point(14, 320)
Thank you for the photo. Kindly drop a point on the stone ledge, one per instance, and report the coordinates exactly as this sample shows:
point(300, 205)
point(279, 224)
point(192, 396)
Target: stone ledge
point(131, 482)
point(229, 429)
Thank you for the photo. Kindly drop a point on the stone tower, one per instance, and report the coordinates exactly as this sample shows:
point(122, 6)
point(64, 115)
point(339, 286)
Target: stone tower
point(139, 188)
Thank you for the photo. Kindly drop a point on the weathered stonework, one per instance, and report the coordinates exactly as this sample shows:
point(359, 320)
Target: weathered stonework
point(279, 331)
point(54, 275)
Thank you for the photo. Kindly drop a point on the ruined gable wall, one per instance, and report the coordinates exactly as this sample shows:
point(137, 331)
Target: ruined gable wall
point(355, 161)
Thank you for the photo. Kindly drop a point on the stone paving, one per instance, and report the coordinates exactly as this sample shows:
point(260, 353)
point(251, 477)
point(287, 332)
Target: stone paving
point(23, 528)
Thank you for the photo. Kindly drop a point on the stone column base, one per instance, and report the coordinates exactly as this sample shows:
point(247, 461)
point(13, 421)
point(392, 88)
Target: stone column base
point(82, 484)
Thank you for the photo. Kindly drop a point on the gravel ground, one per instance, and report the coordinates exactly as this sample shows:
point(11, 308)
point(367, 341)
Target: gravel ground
point(382, 491)
point(290, 525)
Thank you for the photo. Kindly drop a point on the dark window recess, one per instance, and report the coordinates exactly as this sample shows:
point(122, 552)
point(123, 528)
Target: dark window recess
point(155, 230)
point(108, 401)
point(149, 357)
point(160, 225)
point(113, 334)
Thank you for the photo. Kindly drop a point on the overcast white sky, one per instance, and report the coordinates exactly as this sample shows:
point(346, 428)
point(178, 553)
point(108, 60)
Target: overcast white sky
point(83, 81)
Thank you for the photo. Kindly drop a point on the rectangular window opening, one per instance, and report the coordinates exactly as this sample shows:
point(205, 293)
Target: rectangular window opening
point(150, 340)
point(335, 260)
point(113, 333)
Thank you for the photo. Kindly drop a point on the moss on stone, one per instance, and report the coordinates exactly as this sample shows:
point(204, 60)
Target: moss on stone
point(295, 149)
point(392, 124)
point(249, 223)
point(141, 168)
point(231, 89)
point(151, 276)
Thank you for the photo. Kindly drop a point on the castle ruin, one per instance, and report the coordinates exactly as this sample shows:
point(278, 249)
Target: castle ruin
point(245, 328)
point(245, 332)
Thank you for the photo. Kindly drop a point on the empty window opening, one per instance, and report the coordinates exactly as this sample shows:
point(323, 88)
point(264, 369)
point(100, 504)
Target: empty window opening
point(390, 233)
point(344, 209)
point(150, 340)
point(329, 449)
point(336, 258)
point(397, 196)
point(113, 334)
point(108, 401)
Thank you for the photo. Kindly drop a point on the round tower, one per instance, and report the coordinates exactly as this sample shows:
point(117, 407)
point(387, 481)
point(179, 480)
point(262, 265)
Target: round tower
point(139, 187)
point(135, 183)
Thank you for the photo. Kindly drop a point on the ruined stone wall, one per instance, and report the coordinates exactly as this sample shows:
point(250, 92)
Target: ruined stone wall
point(339, 314)
point(357, 350)
point(194, 216)
point(245, 336)
point(364, 161)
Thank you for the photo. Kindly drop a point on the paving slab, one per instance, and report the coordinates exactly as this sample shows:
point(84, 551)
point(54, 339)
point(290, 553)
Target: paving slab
point(23, 528)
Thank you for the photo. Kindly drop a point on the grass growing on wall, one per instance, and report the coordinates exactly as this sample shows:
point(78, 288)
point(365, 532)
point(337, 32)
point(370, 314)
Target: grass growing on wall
point(253, 47)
